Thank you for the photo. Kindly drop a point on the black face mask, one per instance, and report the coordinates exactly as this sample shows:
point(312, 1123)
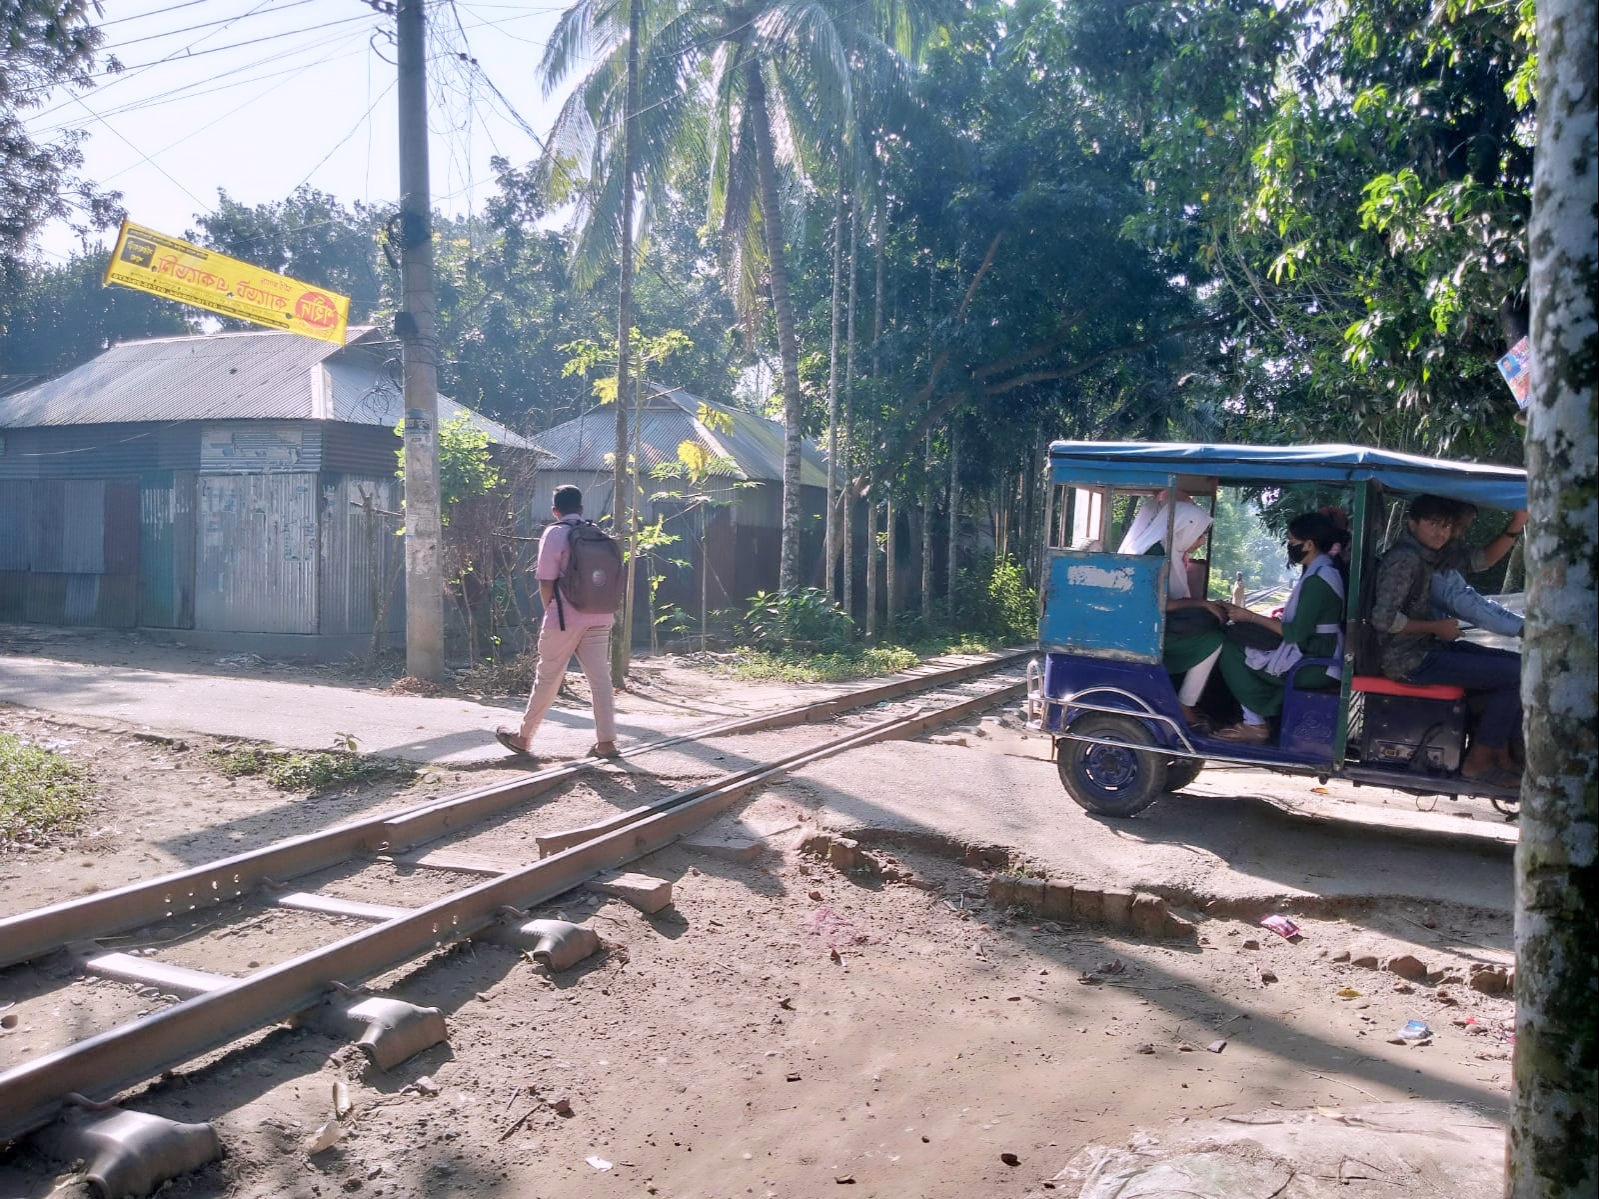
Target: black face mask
point(1296, 553)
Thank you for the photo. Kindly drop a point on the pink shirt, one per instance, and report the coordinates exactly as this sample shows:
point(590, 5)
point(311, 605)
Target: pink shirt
point(552, 561)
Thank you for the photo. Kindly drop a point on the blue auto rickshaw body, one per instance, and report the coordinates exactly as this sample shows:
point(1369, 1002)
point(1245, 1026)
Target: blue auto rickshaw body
point(1103, 622)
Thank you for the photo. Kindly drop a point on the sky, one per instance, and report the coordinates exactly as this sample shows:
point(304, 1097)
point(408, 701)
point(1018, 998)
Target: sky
point(255, 97)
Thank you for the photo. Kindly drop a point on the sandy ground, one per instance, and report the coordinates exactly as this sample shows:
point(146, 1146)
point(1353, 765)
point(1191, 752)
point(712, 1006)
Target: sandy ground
point(784, 1030)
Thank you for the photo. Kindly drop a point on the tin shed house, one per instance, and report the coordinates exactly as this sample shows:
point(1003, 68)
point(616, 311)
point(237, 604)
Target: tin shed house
point(737, 536)
point(240, 486)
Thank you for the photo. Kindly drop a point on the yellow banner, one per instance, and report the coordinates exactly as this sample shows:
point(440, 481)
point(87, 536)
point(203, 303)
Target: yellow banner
point(164, 266)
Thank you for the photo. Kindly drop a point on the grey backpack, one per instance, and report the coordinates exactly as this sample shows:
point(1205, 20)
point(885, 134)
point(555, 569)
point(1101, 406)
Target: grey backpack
point(592, 580)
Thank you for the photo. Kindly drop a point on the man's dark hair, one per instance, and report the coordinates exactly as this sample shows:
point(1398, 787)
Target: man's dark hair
point(568, 499)
point(1432, 507)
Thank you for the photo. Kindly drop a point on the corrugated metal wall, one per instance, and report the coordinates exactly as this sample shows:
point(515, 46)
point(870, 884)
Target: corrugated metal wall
point(16, 519)
point(361, 556)
point(69, 551)
point(166, 550)
point(98, 451)
point(256, 558)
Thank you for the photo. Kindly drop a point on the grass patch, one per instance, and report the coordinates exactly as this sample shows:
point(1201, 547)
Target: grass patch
point(862, 662)
point(41, 793)
point(759, 666)
point(307, 770)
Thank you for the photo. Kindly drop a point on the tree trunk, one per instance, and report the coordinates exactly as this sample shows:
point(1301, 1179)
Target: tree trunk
point(871, 568)
point(622, 639)
point(630, 592)
point(891, 575)
point(832, 386)
point(1554, 1124)
point(783, 312)
point(954, 525)
point(849, 412)
point(927, 531)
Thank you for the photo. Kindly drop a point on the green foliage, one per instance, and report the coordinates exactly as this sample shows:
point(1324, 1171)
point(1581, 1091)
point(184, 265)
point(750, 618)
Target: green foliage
point(56, 317)
point(1352, 185)
point(466, 466)
point(42, 793)
point(306, 770)
point(45, 46)
point(801, 621)
point(310, 236)
point(1241, 541)
point(992, 597)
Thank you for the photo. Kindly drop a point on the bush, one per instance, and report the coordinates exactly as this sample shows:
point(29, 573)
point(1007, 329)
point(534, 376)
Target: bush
point(992, 597)
point(803, 621)
point(308, 771)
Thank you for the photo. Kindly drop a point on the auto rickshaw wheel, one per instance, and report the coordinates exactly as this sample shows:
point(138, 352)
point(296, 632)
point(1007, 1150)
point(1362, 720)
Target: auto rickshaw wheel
point(1182, 771)
point(1110, 780)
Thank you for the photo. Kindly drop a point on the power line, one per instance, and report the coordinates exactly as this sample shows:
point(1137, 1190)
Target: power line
point(155, 37)
point(188, 53)
point(354, 129)
point(152, 13)
point(292, 72)
point(144, 156)
point(186, 92)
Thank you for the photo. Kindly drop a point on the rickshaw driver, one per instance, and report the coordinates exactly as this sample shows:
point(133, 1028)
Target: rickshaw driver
point(1417, 648)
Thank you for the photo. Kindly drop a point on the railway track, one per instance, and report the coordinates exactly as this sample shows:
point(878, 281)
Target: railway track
point(322, 986)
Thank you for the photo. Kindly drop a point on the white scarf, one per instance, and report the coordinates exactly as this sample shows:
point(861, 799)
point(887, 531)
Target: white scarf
point(1281, 660)
point(1148, 530)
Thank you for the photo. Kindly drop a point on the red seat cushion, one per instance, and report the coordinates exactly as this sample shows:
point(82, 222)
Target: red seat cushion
point(1385, 686)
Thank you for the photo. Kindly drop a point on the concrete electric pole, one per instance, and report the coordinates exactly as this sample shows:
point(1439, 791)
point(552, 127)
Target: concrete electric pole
point(416, 326)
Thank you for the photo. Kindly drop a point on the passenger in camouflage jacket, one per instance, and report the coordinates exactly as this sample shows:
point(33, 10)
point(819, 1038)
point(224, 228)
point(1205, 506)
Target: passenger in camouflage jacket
point(1417, 648)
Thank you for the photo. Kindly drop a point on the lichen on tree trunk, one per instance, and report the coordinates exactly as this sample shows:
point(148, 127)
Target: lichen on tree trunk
point(1554, 1133)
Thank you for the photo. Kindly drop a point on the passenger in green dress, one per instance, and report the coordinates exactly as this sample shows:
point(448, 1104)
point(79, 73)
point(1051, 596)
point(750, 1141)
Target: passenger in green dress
point(1312, 626)
point(1189, 653)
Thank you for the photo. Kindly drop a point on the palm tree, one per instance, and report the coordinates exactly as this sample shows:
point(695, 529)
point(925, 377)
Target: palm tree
point(778, 85)
point(789, 81)
point(593, 158)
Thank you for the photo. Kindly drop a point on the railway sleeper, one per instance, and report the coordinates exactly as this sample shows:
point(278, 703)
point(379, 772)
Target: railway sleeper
point(127, 1152)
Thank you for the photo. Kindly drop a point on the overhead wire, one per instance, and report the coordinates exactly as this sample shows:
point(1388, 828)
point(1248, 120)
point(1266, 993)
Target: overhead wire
point(155, 37)
point(292, 72)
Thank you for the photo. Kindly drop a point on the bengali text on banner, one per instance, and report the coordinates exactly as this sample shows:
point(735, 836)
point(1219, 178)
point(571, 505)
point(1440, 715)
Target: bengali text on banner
point(164, 266)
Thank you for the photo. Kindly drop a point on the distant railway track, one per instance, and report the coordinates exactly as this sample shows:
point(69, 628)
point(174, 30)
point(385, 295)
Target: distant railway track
point(323, 985)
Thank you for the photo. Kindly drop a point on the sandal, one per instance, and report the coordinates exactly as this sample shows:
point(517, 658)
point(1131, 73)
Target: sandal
point(508, 739)
point(596, 752)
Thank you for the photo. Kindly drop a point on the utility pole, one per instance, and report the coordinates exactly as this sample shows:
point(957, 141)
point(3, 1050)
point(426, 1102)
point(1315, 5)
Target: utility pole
point(417, 327)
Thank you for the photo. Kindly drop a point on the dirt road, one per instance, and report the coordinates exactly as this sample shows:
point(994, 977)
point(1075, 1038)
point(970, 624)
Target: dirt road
point(787, 1030)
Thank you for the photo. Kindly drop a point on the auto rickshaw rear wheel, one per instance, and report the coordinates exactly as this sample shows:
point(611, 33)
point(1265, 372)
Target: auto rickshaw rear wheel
point(1182, 771)
point(1111, 780)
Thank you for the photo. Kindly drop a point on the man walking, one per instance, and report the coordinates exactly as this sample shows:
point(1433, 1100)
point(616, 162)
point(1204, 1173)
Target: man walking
point(569, 628)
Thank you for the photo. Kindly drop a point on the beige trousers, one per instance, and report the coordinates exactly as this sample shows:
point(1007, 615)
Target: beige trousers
point(592, 646)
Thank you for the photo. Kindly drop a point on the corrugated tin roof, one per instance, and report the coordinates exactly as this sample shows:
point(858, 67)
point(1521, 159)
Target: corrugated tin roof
point(265, 375)
point(671, 416)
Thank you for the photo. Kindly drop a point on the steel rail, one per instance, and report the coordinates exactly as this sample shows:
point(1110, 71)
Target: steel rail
point(102, 1065)
point(29, 935)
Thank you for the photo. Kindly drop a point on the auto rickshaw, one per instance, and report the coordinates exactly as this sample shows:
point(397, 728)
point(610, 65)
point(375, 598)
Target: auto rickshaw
point(1101, 692)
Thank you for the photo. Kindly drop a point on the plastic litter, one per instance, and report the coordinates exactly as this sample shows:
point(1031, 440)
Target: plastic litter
point(599, 1163)
point(1282, 926)
point(1414, 1030)
point(329, 1135)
